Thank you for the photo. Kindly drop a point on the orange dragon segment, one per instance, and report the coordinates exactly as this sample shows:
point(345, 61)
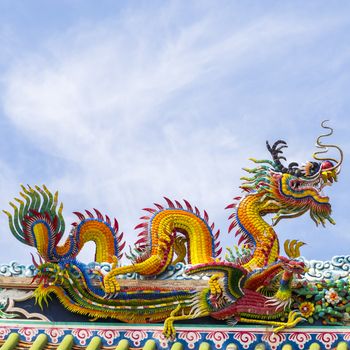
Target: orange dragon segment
point(160, 232)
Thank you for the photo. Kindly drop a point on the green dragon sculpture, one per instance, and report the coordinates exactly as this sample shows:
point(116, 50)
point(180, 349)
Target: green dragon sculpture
point(254, 287)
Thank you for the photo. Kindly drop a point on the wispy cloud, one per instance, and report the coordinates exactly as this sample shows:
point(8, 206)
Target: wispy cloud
point(150, 103)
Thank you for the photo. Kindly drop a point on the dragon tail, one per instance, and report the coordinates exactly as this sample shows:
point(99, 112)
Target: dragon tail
point(38, 222)
point(37, 219)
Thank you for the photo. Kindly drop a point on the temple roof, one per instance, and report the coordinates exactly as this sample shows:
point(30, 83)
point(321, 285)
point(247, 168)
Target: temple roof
point(41, 335)
point(40, 342)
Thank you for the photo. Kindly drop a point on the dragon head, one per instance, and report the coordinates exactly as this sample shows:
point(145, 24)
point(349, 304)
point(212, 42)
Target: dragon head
point(50, 273)
point(293, 266)
point(47, 276)
point(290, 191)
point(58, 278)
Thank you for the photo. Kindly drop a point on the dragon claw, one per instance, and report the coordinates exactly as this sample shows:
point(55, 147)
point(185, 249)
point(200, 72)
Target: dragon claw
point(169, 329)
point(176, 310)
point(110, 285)
point(293, 319)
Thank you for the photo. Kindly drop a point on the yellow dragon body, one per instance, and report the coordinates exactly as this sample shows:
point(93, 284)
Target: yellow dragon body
point(177, 232)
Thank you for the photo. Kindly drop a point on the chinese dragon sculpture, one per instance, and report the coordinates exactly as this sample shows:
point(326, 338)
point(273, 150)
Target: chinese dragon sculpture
point(254, 285)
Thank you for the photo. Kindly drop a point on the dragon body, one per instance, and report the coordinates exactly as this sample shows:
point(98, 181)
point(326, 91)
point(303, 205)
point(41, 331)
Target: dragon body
point(252, 287)
point(38, 222)
point(78, 294)
point(156, 245)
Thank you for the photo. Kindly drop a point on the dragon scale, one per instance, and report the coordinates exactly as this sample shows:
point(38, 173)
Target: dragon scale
point(255, 231)
point(254, 284)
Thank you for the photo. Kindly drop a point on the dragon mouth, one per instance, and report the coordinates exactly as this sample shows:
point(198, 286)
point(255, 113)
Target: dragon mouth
point(41, 279)
point(316, 185)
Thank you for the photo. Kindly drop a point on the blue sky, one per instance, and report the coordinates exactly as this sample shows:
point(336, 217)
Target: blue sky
point(118, 104)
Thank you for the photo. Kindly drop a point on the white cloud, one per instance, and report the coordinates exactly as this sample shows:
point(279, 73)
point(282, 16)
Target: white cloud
point(129, 107)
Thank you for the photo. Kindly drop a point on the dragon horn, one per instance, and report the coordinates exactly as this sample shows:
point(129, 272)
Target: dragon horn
point(34, 262)
point(41, 259)
point(297, 248)
point(325, 147)
point(275, 151)
point(287, 245)
point(292, 248)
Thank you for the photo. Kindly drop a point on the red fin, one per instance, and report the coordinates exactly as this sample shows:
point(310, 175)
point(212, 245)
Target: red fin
point(141, 225)
point(232, 216)
point(217, 234)
point(218, 252)
point(188, 205)
point(160, 207)
point(99, 215)
point(120, 237)
point(141, 240)
point(80, 216)
point(232, 225)
point(238, 232)
point(242, 239)
point(198, 213)
point(170, 203)
point(34, 262)
point(150, 210)
point(121, 247)
point(178, 204)
point(89, 214)
point(116, 225)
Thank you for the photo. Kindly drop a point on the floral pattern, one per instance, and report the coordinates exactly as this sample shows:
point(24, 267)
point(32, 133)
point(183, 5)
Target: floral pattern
point(306, 309)
point(326, 302)
point(191, 337)
point(332, 296)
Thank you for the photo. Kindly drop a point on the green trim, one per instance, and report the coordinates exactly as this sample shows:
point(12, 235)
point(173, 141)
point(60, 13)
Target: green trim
point(150, 345)
point(204, 346)
point(40, 342)
point(260, 347)
point(287, 347)
point(11, 342)
point(66, 343)
point(231, 346)
point(342, 346)
point(177, 346)
point(95, 344)
point(123, 345)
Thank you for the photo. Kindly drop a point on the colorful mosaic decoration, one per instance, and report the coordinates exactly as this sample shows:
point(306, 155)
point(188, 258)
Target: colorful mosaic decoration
point(189, 336)
point(253, 284)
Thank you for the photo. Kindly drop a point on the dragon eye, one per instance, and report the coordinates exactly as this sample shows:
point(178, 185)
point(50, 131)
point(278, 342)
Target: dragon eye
point(295, 184)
